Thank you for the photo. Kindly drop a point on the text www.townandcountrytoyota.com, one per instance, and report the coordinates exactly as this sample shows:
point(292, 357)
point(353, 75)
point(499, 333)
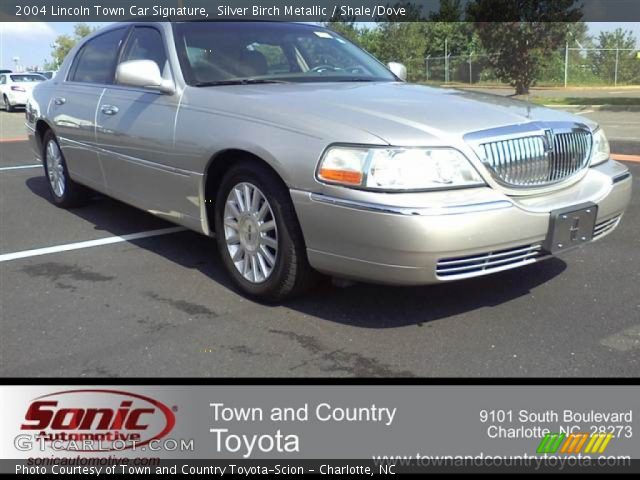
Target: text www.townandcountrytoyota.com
point(482, 460)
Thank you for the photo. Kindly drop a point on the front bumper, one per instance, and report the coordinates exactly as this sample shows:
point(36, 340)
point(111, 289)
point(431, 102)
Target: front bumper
point(414, 239)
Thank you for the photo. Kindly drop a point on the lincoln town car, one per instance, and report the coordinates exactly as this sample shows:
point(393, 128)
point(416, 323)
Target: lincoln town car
point(302, 154)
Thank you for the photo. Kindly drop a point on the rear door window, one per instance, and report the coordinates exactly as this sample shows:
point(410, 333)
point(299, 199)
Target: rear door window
point(96, 61)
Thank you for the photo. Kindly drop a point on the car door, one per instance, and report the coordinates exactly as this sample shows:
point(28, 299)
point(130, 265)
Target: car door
point(73, 105)
point(135, 136)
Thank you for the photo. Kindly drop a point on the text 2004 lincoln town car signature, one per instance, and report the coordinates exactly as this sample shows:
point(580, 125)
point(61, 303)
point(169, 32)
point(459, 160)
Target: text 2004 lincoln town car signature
point(303, 153)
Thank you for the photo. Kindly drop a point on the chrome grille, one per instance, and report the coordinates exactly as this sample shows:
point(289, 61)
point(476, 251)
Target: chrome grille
point(533, 161)
point(484, 263)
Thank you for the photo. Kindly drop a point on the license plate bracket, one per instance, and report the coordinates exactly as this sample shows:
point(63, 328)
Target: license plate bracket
point(571, 227)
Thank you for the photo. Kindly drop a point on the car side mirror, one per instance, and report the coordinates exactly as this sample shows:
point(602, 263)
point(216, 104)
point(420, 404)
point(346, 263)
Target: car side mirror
point(144, 74)
point(399, 70)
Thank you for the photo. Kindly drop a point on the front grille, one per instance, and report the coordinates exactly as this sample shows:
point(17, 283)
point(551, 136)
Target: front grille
point(484, 263)
point(534, 161)
point(602, 228)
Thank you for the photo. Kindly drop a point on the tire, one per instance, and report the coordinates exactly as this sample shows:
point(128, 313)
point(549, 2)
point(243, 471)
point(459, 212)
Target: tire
point(65, 193)
point(273, 230)
point(7, 105)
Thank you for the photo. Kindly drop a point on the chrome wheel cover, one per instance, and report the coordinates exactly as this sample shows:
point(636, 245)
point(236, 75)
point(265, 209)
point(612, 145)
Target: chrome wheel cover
point(55, 168)
point(250, 232)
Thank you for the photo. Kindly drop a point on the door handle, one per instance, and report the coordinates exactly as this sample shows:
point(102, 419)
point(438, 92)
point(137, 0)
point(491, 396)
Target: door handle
point(60, 100)
point(109, 109)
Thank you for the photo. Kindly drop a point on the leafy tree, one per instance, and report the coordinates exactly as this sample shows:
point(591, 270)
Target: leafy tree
point(64, 43)
point(520, 48)
point(450, 11)
point(604, 61)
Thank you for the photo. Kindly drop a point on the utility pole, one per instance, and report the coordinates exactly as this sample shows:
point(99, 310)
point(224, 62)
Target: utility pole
point(615, 82)
point(566, 65)
point(446, 60)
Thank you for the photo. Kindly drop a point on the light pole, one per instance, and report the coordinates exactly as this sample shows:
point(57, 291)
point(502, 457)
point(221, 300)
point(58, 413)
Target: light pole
point(446, 60)
point(615, 80)
point(566, 65)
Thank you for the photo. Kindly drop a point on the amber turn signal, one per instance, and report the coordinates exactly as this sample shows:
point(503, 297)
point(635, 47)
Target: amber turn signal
point(341, 176)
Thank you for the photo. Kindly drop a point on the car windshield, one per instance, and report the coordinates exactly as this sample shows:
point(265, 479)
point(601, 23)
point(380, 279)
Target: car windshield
point(222, 53)
point(27, 78)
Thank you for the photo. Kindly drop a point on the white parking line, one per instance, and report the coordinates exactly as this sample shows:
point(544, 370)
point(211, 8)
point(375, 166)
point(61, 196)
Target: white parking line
point(20, 167)
point(88, 244)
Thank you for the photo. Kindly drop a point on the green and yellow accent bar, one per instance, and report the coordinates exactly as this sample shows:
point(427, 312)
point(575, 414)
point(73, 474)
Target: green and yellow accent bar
point(574, 443)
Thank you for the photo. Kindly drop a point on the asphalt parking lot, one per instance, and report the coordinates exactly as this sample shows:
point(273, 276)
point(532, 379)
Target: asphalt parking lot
point(162, 305)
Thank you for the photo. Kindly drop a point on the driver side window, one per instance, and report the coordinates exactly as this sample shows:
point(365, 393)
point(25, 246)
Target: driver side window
point(146, 43)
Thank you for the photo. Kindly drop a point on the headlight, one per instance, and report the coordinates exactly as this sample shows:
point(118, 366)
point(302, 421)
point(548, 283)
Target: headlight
point(601, 150)
point(381, 168)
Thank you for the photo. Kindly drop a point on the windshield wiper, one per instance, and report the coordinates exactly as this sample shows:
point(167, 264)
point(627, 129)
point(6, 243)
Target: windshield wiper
point(239, 81)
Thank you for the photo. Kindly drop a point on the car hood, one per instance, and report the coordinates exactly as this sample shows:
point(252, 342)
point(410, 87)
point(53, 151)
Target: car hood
point(397, 113)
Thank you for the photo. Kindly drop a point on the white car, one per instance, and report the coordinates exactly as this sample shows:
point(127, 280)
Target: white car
point(15, 88)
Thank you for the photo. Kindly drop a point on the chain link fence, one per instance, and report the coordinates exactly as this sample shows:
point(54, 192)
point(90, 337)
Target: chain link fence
point(565, 67)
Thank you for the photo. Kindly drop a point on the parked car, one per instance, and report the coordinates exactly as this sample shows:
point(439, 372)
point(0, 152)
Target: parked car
point(305, 154)
point(49, 74)
point(15, 88)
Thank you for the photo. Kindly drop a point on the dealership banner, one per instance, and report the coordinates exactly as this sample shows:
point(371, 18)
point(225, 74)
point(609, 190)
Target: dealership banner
point(369, 429)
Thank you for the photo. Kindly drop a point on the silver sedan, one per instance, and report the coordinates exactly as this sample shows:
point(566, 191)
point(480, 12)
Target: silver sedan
point(301, 153)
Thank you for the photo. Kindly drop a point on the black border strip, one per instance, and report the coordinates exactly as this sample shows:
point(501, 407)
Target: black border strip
point(188, 381)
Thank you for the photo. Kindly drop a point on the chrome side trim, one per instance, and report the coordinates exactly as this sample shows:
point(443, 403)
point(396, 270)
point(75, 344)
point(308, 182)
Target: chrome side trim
point(29, 127)
point(139, 161)
point(488, 262)
point(410, 211)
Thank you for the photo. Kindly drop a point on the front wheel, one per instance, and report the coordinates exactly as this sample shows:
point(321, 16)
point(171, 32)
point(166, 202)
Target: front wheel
point(258, 234)
point(64, 191)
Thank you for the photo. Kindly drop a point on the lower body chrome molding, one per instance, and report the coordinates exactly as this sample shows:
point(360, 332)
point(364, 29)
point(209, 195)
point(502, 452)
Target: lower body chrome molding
point(483, 264)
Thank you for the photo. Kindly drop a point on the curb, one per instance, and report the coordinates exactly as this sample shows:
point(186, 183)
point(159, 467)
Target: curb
point(597, 108)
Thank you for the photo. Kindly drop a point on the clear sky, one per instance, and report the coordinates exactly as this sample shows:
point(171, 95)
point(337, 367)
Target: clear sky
point(31, 41)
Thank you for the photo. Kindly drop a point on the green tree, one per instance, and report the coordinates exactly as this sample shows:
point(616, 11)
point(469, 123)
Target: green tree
point(620, 44)
point(552, 66)
point(64, 43)
point(521, 47)
point(450, 11)
point(390, 39)
point(402, 41)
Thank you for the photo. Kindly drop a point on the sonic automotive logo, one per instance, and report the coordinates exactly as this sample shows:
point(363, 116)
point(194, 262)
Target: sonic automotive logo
point(97, 420)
